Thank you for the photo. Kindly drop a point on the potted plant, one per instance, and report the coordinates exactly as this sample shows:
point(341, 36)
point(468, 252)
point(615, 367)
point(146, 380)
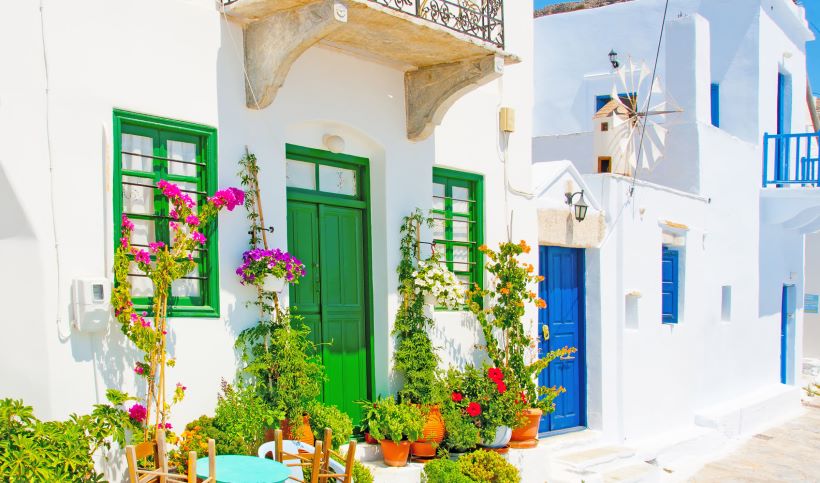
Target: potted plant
point(438, 285)
point(369, 416)
point(462, 435)
point(395, 426)
point(269, 269)
point(483, 398)
point(507, 343)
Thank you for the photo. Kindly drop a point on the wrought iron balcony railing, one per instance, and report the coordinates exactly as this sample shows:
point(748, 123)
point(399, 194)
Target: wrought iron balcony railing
point(791, 160)
point(482, 19)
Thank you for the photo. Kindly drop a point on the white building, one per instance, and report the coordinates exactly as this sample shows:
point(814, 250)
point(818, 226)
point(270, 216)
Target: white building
point(691, 296)
point(84, 85)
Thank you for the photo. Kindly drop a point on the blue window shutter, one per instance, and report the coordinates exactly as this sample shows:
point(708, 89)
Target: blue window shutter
point(716, 105)
point(669, 286)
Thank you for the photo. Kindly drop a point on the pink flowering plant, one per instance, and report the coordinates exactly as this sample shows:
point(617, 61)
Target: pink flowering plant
point(258, 263)
point(162, 264)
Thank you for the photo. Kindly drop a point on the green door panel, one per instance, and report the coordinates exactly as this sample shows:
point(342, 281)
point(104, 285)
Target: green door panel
point(303, 243)
point(343, 307)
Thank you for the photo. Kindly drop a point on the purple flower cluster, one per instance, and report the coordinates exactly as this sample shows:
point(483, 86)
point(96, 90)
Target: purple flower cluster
point(229, 198)
point(259, 262)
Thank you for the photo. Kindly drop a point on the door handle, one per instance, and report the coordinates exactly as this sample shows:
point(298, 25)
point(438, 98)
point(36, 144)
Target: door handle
point(567, 358)
point(545, 329)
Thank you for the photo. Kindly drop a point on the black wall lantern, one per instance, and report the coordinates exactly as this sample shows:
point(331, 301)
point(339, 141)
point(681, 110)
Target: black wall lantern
point(580, 206)
point(613, 59)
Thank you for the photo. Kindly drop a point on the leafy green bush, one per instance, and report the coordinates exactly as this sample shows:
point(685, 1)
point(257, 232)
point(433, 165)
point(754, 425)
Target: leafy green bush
point(34, 450)
point(325, 416)
point(396, 422)
point(488, 467)
point(462, 435)
point(281, 363)
point(195, 438)
point(444, 470)
point(242, 413)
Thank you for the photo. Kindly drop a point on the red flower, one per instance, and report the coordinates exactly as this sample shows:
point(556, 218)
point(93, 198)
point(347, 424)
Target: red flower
point(456, 397)
point(495, 374)
point(473, 409)
point(502, 388)
point(523, 398)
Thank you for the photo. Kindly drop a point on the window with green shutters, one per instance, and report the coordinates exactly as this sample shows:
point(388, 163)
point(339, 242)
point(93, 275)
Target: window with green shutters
point(458, 211)
point(148, 149)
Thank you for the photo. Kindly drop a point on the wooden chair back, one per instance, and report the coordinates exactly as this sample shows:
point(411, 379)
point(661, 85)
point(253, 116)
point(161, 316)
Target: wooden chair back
point(331, 469)
point(296, 460)
point(160, 473)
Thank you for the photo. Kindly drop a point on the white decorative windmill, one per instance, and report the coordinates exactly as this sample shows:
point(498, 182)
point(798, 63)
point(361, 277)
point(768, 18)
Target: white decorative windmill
point(627, 129)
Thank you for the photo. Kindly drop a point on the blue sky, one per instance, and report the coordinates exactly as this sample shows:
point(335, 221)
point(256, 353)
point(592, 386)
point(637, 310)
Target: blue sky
point(813, 10)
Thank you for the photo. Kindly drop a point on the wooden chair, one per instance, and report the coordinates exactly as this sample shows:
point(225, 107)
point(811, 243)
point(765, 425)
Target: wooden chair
point(295, 455)
point(160, 471)
point(331, 469)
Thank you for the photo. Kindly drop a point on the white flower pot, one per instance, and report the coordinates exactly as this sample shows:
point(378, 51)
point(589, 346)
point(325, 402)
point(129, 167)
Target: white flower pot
point(273, 284)
point(502, 437)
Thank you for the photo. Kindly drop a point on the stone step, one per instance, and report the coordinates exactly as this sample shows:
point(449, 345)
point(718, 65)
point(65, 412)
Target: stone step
point(639, 472)
point(388, 474)
point(590, 459)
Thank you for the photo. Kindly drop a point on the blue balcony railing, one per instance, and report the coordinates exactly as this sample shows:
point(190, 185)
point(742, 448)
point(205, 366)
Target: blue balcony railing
point(482, 19)
point(791, 159)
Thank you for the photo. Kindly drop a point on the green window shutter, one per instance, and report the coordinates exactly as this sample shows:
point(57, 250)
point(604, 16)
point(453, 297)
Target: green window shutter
point(458, 210)
point(148, 149)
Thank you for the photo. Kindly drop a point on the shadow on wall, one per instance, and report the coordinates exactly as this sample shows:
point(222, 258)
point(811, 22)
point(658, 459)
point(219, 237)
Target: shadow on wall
point(15, 223)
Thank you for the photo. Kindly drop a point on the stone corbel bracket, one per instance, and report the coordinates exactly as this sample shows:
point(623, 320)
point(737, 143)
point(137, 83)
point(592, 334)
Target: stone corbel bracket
point(430, 91)
point(274, 43)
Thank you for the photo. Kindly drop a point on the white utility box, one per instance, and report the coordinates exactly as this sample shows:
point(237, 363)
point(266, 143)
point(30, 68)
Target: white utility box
point(91, 304)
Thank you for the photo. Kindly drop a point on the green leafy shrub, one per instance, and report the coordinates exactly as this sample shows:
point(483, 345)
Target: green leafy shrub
point(488, 467)
point(483, 398)
point(34, 450)
point(325, 416)
point(195, 438)
point(361, 473)
point(242, 413)
point(462, 434)
point(281, 363)
point(396, 421)
point(444, 470)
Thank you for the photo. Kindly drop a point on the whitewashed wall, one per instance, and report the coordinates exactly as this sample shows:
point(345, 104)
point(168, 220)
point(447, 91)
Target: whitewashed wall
point(180, 59)
point(811, 322)
point(709, 180)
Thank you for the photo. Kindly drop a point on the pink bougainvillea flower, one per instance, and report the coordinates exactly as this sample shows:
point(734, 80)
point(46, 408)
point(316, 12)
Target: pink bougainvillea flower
point(166, 426)
point(187, 200)
point(192, 220)
point(502, 388)
point(124, 242)
point(181, 387)
point(139, 369)
point(230, 198)
point(456, 397)
point(134, 317)
point(142, 257)
point(127, 225)
point(169, 189)
point(137, 413)
point(173, 214)
point(198, 237)
point(146, 323)
point(155, 247)
point(473, 409)
point(495, 374)
point(173, 226)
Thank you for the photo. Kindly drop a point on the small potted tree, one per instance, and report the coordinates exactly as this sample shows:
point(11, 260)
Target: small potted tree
point(395, 426)
point(507, 343)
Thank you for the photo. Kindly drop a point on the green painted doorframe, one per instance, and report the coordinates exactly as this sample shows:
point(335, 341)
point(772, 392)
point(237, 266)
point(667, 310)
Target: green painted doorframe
point(362, 202)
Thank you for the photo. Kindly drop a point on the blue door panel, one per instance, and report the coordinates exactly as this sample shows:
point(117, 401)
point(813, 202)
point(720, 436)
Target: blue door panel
point(562, 289)
point(787, 334)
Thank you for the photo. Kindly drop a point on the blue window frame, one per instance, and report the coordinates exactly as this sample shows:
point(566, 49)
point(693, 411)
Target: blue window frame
point(670, 285)
point(716, 105)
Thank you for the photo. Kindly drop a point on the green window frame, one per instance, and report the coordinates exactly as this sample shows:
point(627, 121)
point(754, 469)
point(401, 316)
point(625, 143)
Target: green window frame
point(458, 211)
point(183, 153)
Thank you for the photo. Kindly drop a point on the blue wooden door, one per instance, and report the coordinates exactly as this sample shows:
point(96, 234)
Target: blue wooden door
point(787, 328)
point(561, 324)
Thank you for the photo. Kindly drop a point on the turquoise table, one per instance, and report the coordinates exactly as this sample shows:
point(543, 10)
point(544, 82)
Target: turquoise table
point(244, 469)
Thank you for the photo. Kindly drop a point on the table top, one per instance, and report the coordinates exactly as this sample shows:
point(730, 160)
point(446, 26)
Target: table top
point(244, 469)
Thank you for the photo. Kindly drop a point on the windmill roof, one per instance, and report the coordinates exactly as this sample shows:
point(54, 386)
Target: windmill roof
point(610, 107)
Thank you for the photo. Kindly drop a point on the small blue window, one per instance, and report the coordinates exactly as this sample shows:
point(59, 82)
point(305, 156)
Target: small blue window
point(669, 285)
point(716, 105)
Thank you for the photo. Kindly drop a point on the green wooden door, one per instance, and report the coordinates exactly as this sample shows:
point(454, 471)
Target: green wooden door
point(331, 297)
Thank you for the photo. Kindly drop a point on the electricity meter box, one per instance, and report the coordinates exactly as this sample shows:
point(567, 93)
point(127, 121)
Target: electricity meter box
point(91, 304)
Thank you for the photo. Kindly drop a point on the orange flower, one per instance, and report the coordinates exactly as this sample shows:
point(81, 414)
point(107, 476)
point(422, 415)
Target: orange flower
point(505, 291)
point(532, 295)
point(482, 248)
point(530, 268)
point(524, 246)
point(540, 303)
point(519, 303)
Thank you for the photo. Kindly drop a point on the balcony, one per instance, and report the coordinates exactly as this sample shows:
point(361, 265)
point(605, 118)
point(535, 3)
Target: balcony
point(791, 160)
point(446, 47)
point(791, 177)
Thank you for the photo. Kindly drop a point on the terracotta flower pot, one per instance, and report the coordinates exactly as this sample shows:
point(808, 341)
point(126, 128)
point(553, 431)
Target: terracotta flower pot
point(305, 435)
point(529, 430)
point(395, 453)
point(432, 435)
point(369, 439)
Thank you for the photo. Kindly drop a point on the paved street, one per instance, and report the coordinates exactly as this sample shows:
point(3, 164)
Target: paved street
point(788, 453)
